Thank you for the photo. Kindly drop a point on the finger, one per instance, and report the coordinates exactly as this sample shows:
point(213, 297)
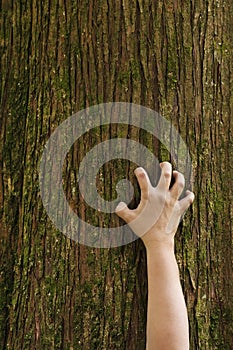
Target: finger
point(144, 184)
point(124, 212)
point(165, 177)
point(178, 185)
point(186, 201)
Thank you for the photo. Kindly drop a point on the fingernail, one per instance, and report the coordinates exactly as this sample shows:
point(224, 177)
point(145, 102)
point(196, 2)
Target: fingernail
point(121, 206)
point(139, 170)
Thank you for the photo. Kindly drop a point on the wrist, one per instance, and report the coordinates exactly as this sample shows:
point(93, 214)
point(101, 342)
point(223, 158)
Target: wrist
point(166, 243)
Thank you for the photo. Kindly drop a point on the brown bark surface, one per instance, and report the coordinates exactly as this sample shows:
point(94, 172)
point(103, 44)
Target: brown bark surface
point(58, 57)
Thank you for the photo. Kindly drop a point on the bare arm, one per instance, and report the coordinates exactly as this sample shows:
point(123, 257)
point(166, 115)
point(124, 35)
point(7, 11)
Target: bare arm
point(156, 220)
point(167, 322)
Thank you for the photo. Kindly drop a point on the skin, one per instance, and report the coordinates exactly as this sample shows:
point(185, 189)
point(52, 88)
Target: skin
point(156, 220)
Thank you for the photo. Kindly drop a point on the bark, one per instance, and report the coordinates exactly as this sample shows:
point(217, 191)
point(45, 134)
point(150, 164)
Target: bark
point(58, 57)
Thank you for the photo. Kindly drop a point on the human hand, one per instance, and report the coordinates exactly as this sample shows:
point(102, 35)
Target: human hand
point(158, 214)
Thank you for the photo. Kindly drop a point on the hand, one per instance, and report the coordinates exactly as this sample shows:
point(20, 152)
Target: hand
point(158, 214)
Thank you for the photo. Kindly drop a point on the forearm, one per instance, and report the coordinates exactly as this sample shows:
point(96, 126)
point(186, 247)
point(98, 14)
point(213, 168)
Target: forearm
point(156, 220)
point(167, 321)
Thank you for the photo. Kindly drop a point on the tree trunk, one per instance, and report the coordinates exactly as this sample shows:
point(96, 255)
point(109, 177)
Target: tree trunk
point(58, 57)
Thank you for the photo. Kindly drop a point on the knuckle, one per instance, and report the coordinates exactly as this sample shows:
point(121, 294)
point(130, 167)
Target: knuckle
point(167, 173)
point(141, 174)
point(169, 201)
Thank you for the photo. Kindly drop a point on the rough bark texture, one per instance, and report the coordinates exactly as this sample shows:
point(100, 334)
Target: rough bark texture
point(58, 57)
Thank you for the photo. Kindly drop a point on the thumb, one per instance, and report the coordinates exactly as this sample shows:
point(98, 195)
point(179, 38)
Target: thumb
point(124, 212)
